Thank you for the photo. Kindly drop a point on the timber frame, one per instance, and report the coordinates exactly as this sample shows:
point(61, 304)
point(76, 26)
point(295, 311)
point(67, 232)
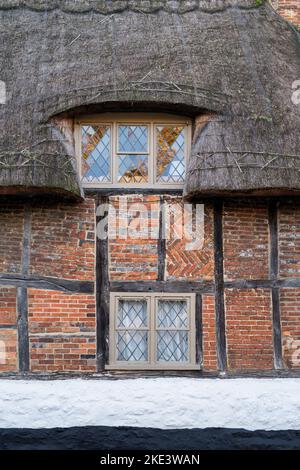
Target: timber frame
point(216, 288)
point(23, 281)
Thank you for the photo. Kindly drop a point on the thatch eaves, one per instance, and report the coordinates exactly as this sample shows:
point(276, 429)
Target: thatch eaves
point(107, 7)
point(233, 58)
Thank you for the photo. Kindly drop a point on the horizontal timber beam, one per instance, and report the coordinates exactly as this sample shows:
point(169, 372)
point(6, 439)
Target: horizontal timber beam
point(162, 286)
point(131, 191)
point(47, 283)
point(262, 283)
point(198, 286)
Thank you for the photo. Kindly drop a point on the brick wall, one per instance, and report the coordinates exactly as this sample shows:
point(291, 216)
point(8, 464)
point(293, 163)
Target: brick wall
point(62, 245)
point(8, 350)
point(246, 240)
point(136, 257)
point(290, 324)
point(289, 267)
point(209, 333)
point(8, 306)
point(186, 259)
point(289, 9)
point(133, 239)
point(249, 329)
point(62, 326)
point(289, 240)
point(62, 329)
point(8, 335)
point(63, 240)
point(11, 235)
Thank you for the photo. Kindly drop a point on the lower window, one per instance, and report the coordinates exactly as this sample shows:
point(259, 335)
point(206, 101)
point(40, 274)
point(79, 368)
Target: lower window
point(152, 331)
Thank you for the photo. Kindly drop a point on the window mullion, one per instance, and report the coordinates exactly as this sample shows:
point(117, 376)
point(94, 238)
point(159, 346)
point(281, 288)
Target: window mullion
point(114, 153)
point(152, 335)
point(152, 155)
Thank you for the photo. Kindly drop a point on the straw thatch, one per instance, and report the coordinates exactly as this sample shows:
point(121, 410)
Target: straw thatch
point(235, 58)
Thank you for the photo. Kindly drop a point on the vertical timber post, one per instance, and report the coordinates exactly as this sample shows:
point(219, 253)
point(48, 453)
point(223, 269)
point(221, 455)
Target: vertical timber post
point(161, 243)
point(22, 297)
point(273, 227)
point(219, 286)
point(102, 282)
point(198, 321)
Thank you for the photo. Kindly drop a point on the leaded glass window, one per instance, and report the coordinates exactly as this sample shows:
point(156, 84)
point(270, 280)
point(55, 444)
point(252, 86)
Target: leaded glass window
point(152, 331)
point(96, 161)
point(170, 158)
point(140, 152)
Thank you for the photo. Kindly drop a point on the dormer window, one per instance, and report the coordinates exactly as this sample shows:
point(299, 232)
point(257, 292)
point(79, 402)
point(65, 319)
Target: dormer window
point(134, 150)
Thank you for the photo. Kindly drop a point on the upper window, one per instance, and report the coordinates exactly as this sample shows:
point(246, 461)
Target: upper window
point(133, 150)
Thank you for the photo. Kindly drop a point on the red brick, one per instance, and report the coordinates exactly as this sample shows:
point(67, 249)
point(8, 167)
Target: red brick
point(290, 325)
point(249, 329)
point(8, 350)
point(186, 264)
point(246, 240)
point(8, 314)
point(60, 242)
point(209, 333)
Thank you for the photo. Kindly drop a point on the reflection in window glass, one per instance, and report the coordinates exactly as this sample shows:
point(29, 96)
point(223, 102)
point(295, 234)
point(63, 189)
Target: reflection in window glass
point(133, 169)
point(132, 335)
point(95, 153)
point(172, 336)
point(133, 139)
point(170, 166)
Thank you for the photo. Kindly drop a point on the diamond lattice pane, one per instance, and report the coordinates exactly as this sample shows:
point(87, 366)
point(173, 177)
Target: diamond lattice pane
point(132, 314)
point(132, 345)
point(172, 346)
point(133, 139)
point(170, 166)
point(96, 154)
point(133, 169)
point(172, 314)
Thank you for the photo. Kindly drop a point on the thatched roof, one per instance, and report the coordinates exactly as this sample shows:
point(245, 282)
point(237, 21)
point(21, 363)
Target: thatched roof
point(231, 57)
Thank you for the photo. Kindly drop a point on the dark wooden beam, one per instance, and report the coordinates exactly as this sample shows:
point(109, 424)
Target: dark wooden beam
point(22, 324)
point(219, 286)
point(198, 286)
point(102, 290)
point(88, 287)
point(162, 286)
point(47, 283)
point(26, 240)
point(274, 266)
point(199, 334)
point(273, 228)
point(250, 284)
point(278, 363)
point(289, 282)
point(22, 296)
point(106, 192)
point(161, 243)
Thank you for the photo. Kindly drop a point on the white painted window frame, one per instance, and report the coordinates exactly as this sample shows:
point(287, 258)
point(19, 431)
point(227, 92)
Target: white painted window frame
point(113, 120)
point(152, 364)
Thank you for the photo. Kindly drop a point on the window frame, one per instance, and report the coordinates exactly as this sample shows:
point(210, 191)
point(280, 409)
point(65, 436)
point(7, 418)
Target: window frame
point(113, 120)
point(152, 299)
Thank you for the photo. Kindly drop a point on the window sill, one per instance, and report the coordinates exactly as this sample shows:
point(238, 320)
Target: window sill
point(145, 368)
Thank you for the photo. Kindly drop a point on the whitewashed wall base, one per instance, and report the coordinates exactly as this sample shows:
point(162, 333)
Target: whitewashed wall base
point(166, 403)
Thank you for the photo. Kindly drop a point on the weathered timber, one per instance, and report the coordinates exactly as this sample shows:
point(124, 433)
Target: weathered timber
point(23, 335)
point(102, 291)
point(47, 283)
point(219, 286)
